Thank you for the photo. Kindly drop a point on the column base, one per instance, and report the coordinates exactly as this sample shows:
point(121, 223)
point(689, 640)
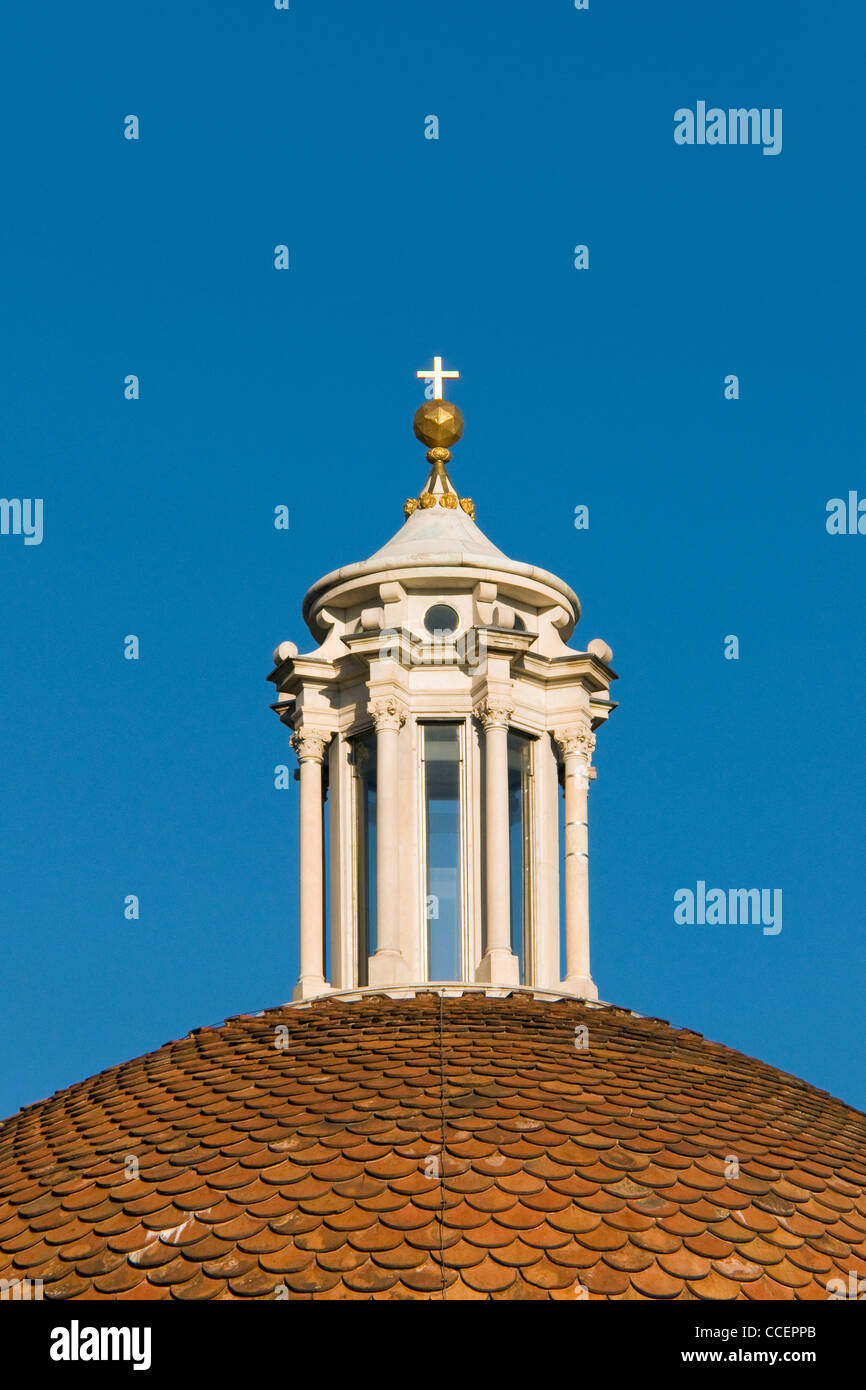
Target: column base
point(386, 968)
point(498, 966)
point(309, 986)
point(581, 986)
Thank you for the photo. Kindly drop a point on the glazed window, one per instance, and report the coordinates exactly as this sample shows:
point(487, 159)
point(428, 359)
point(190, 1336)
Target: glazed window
point(441, 620)
point(520, 847)
point(364, 763)
point(442, 792)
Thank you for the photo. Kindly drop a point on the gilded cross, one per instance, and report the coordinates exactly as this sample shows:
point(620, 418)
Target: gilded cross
point(437, 376)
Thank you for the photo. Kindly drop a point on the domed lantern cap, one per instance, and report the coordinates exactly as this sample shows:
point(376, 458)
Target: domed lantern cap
point(440, 528)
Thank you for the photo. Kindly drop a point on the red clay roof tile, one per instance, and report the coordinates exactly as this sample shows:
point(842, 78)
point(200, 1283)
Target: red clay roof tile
point(427, 1148)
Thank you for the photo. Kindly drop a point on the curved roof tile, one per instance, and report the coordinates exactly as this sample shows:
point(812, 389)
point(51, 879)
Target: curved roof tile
point(435, 1147)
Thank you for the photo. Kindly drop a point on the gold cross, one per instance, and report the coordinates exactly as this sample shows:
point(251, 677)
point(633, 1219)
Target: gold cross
point(436, 376)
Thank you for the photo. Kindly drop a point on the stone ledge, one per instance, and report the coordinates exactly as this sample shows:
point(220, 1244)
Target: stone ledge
point(450, 990)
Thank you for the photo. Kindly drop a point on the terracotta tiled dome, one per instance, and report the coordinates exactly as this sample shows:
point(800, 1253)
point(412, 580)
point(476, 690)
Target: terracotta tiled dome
point(428, 1146)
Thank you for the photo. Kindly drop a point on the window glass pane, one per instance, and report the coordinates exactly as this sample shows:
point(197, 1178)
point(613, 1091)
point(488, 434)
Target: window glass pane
point(441, 753)
point(441, 619)
point(326, 871)
point(519, 835)
point(365, 781)
point(560, 803)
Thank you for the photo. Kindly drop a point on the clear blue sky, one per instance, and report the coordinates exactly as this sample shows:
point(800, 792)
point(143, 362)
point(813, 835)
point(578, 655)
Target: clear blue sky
point(259, 387)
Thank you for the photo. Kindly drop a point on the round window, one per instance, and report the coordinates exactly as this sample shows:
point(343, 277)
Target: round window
point(440, 620)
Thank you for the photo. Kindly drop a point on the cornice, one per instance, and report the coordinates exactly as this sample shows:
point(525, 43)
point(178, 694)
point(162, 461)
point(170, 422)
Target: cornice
point(351, 581)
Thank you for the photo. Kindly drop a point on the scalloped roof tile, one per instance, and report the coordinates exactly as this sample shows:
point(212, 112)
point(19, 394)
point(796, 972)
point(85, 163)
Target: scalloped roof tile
point(433, 1147)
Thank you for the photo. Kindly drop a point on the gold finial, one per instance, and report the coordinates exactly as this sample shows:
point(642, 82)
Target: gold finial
point(438, 424)
point(437, 376)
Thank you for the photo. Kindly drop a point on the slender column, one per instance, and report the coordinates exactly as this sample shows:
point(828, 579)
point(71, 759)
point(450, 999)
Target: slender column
point(309, 744)
point(387, 965)
point(499, 964)
point(546, 867)
point(577, 745)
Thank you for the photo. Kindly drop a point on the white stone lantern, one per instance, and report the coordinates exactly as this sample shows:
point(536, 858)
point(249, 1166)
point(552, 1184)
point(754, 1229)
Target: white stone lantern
point(444, 711)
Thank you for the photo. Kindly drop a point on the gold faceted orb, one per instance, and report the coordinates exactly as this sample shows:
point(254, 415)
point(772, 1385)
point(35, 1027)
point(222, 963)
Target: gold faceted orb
point(438, 424)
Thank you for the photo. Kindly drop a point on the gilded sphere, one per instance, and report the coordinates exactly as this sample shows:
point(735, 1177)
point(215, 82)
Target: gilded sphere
point(438, 424)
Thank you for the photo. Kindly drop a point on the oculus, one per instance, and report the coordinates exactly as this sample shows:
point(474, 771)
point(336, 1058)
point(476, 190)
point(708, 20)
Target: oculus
point(441, 620)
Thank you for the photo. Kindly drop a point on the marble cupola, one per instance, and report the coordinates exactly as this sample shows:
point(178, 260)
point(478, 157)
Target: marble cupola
point(444, 730)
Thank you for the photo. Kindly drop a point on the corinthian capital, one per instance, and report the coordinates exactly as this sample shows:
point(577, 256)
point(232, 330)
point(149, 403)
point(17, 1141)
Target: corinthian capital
point(387, 713)
point(310, 744)
point(579, 740)
point(494, 711)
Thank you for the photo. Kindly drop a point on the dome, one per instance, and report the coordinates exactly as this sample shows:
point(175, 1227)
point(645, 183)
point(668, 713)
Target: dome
point(440, 539)
point(444, 1144)
point(446, 534)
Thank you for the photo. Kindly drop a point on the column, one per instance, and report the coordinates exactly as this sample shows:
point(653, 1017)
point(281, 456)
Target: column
point(577, 744)
point(499, 965)
point(387, 965)
point(309, 744)
point(546, 866)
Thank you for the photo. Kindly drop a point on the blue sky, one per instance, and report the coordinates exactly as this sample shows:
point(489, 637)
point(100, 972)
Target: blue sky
point(258, 388)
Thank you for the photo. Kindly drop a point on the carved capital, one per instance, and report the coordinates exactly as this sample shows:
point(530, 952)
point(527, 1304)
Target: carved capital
point(578, 741)
point(387, 713)
point(494, 711)
point(310, 744)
